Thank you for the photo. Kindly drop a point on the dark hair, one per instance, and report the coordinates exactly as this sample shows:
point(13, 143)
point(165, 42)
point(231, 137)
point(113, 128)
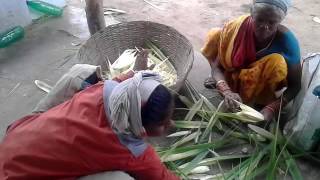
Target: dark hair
point(157, 107)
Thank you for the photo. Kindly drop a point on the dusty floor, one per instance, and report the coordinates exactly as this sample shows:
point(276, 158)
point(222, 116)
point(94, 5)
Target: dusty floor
point(46, 51)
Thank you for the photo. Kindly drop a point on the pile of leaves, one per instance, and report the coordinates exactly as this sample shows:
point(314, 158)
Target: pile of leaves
point(193, 152)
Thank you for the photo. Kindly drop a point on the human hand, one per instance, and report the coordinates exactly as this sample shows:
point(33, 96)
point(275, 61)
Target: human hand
point(141, 60)
point(229, 100)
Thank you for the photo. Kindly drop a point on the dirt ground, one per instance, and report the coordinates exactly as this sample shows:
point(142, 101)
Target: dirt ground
point(48, 47)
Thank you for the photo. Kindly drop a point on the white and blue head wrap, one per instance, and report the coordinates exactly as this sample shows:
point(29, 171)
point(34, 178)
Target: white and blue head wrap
point(125, 102)
point(282, 4)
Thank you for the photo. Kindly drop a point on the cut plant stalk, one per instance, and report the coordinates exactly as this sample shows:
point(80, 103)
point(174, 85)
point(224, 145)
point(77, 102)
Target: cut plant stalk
point(178, 134)
point(190, 124)
point(127, 59)
point(43, 86)
point(199, 170)
point(248, 112)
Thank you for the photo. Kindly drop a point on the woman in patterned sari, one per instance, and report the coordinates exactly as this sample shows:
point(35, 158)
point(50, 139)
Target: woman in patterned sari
point(254, 56)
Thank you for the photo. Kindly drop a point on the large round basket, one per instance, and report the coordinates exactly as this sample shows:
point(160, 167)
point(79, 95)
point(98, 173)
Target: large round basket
point(110, 42)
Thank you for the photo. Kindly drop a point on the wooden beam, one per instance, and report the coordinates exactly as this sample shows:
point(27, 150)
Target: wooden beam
point(95, 17)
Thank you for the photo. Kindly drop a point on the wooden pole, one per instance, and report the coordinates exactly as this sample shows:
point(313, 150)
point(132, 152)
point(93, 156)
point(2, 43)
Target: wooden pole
point(95, 16)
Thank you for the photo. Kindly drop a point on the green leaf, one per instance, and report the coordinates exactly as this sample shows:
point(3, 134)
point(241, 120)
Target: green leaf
point(178, 156)
point(155, 50)
point(179, 143)
point(179, 133)
point(205, 146)
point(248, 136)
point(209, 106)
point(186, 101)
point(212, 161)
point(271, 173)
point(199, 132)
point(172, 166)
point(195, 95)
point(292, 166)
point(252, 165)
point(212, 121)
point(258, 171)
point(155, 59)
point(194, 109)
point(190, 124)
point(185, 140)
point(261, 131)
point(235, 172)
point(246, 168)
point(194, 163)
point(239, 117)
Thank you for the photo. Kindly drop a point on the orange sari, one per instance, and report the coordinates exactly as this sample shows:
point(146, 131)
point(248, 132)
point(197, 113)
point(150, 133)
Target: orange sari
point(256, 80)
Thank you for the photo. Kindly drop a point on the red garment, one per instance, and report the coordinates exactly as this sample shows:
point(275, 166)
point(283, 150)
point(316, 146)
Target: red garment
point(244, 50)
point(70, 140)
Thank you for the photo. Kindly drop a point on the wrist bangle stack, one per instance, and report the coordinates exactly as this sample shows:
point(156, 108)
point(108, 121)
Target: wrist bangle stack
point(222, 86)
point(271, 109)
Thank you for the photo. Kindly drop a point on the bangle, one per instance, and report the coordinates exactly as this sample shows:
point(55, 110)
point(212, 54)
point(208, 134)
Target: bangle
point(222, 86)
point(271, 109)
point(220, 81)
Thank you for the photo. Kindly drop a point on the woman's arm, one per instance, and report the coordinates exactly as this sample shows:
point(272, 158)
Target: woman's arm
point(294, 82)
point(216, 71)
point(293, 88)
point(123, 77)
point(223, 87)
point(70, 83)
point(140, 64)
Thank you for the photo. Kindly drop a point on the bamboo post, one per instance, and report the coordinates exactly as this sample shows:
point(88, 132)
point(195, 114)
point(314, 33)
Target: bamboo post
point(95, 16)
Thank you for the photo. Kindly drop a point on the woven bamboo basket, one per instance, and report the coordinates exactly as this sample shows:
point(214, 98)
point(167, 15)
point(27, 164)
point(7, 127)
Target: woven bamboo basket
point(110, 42)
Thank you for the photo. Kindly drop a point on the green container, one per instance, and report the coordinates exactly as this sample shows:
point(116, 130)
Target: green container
point(45, 8)
point(11, 36)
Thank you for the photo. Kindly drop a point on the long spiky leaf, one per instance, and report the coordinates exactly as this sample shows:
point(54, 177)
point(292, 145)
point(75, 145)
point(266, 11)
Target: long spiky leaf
point(194, 109)
point(212, 121)
point(194, 163)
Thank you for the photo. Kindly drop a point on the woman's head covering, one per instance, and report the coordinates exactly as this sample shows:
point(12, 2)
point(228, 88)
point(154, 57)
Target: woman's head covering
point(282, 4)
point(125, 102)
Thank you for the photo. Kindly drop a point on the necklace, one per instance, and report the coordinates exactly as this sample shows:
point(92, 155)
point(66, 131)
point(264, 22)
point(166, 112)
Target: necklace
point(268, 45)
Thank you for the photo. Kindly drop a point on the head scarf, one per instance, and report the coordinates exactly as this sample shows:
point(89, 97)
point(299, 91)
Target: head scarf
point(282, 4)
point(125, 102)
